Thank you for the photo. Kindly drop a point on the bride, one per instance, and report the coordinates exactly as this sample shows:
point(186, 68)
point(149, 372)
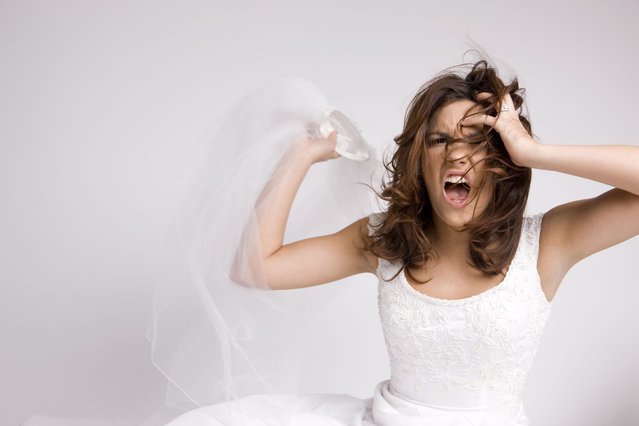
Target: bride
point(465, 277)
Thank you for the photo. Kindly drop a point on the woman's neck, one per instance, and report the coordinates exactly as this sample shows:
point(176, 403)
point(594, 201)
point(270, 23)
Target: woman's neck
point(448, 241)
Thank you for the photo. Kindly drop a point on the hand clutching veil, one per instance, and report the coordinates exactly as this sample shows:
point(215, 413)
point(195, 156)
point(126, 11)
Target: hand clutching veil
point(212, 337)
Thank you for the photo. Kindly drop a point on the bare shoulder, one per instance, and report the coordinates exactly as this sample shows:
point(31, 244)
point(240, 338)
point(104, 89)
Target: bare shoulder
point(551, 271)
point(355, 233)
point(361, 227)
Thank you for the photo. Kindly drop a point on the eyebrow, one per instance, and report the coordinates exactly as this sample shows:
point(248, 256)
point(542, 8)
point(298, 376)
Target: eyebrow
point(446, 135)
point(439, 133)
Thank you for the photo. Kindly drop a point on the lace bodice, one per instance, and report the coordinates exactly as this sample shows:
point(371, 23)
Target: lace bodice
point(465, 353)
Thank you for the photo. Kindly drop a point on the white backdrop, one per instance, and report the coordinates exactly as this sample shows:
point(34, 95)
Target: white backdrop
point(101, 105)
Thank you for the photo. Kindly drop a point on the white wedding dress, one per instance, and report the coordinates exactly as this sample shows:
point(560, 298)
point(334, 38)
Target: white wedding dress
point(453, 362)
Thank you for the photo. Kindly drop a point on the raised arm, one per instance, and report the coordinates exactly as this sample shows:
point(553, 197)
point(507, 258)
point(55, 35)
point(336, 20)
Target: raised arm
point(573, 231)
point(310, 261)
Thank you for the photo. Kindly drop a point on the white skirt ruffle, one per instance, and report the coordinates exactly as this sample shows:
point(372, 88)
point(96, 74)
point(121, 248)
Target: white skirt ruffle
point(383, 409)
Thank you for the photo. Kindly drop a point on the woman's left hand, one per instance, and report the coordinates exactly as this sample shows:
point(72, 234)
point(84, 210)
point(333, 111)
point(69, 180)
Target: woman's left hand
point(513, 133)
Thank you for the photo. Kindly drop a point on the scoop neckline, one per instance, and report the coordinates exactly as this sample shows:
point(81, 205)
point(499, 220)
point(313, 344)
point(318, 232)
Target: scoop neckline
point(462, 301)
point(475, 297)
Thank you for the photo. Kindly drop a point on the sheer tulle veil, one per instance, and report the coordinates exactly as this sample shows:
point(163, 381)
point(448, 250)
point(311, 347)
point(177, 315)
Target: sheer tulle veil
point(214, 339)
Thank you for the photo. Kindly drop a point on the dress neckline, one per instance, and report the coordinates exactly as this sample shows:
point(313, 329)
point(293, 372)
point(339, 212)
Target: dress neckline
point(462, 301)
point(475, 297)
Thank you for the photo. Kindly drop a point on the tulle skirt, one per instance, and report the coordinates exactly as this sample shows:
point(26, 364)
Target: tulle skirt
point(384, 408)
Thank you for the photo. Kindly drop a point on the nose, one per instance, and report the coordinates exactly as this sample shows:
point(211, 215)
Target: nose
point(458, 153)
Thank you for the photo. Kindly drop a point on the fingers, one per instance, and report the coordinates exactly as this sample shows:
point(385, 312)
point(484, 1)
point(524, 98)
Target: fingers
point(509, 102)
point(482, 96)
point(332, 137)
point(476, 119)
point(505, 100)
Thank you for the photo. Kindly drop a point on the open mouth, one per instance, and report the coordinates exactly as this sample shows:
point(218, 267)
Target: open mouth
point(456, 191)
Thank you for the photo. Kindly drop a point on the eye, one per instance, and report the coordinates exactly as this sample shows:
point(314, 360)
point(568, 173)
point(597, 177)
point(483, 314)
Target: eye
point(437, 141)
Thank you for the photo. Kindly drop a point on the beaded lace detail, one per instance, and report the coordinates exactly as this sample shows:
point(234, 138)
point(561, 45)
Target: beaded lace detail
point(475, 351)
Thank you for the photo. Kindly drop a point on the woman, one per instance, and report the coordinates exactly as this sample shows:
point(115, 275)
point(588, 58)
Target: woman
point(465, 279)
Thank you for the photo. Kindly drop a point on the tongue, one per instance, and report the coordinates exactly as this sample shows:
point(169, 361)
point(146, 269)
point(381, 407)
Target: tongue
point(457, 192)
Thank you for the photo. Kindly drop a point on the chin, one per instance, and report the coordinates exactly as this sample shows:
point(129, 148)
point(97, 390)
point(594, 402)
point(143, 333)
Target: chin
point(457, 219)
point(457, 223)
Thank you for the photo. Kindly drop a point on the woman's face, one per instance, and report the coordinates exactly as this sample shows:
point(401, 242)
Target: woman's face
point(454, 204)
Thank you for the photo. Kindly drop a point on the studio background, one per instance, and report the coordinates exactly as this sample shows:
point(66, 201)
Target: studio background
point(102, 105)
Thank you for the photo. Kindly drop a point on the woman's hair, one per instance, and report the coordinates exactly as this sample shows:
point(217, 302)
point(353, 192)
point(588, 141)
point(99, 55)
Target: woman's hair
point(407, 229)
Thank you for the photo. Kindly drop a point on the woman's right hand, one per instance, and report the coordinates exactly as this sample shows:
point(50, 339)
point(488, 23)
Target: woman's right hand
point(317, 150)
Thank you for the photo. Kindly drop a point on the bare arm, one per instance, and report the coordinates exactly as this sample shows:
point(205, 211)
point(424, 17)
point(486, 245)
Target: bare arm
point(274, 204)
point(573, 231)
point(310, 261)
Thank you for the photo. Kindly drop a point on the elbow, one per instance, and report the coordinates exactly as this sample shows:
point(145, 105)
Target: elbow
point(240, 276)
point(250, 267)
point(250, 276)
point(236, 279)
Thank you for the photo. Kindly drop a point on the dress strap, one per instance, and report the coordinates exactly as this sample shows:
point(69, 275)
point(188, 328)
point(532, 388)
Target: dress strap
point(531, 231)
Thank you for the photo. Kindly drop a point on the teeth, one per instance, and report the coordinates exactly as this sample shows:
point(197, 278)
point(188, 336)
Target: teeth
point(455, 179)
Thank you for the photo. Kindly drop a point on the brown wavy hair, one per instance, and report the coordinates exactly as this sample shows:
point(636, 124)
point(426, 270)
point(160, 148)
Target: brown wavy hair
point(407, 229)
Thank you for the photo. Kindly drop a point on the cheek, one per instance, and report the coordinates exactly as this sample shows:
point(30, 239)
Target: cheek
point(479, 159)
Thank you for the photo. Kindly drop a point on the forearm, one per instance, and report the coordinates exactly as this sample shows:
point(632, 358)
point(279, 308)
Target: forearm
point(274, 204)
point(615, 165)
